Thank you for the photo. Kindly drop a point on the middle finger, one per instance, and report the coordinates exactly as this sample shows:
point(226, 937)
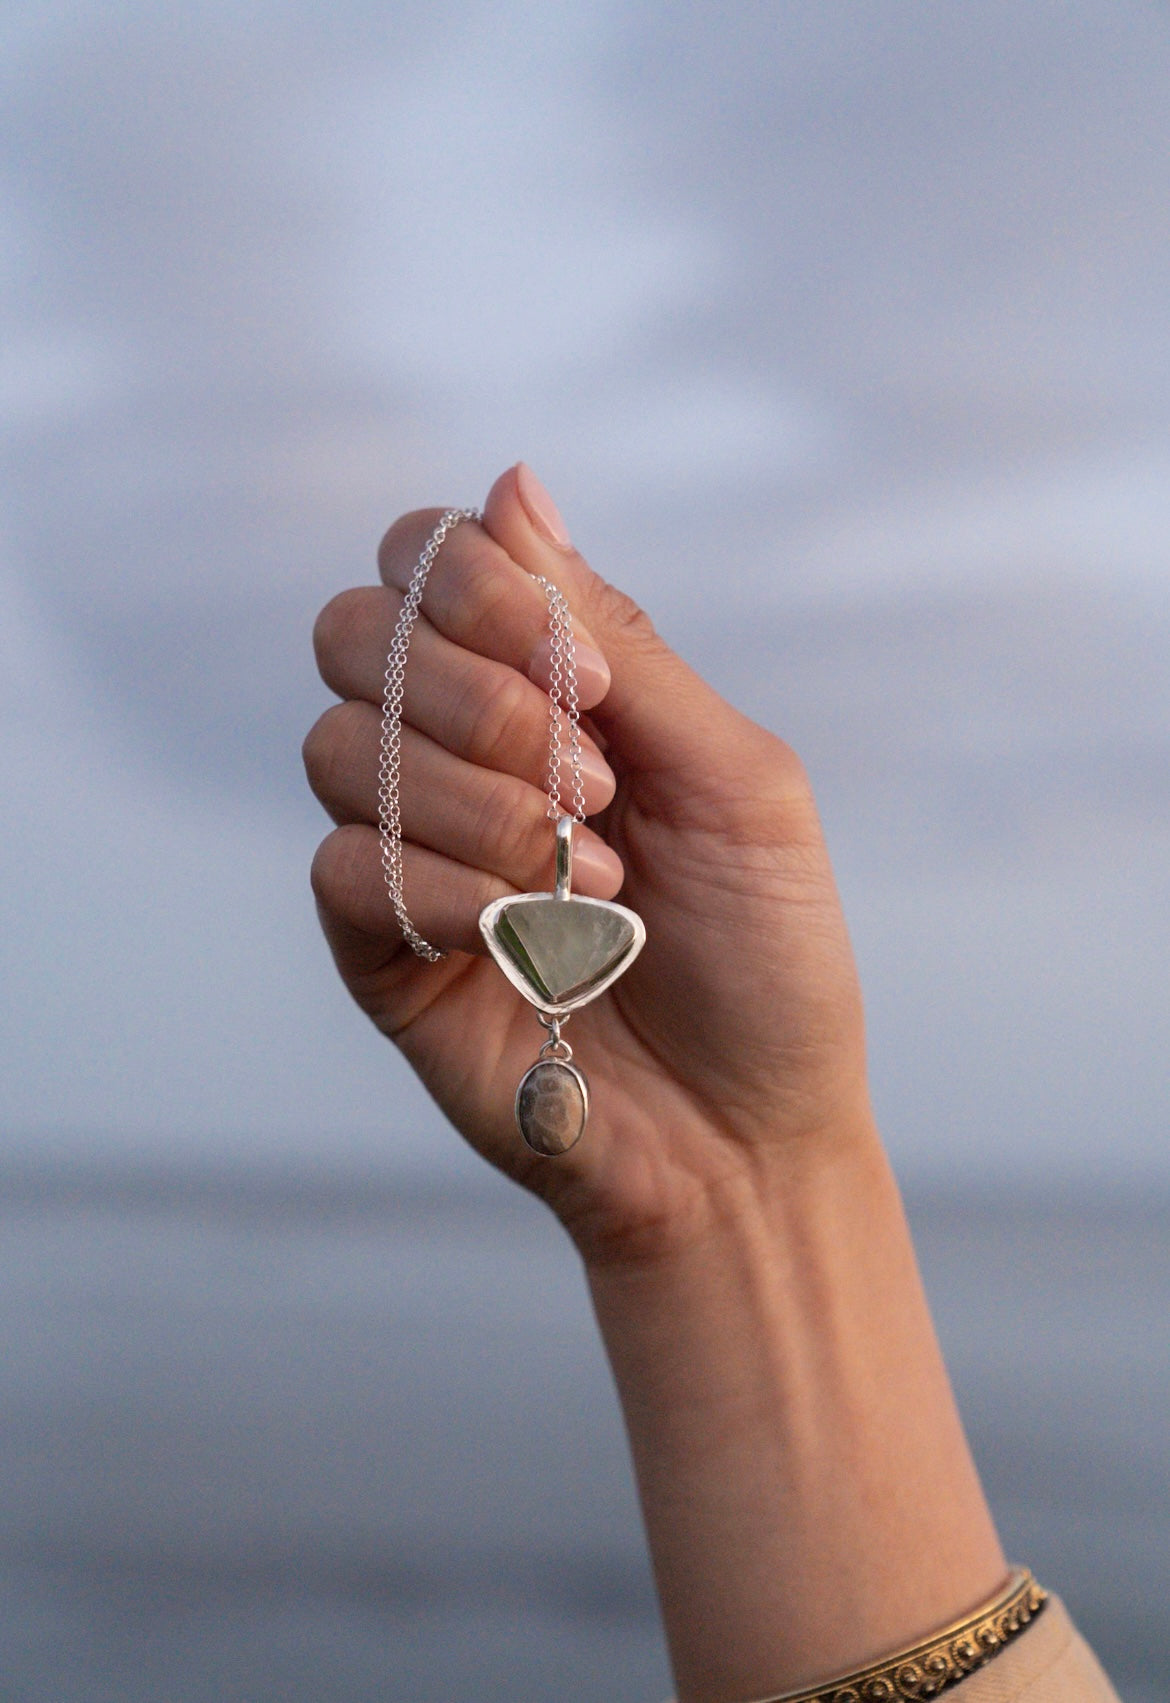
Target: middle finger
point(479, 709)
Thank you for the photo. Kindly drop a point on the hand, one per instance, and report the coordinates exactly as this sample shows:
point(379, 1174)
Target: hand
point(737, 1032)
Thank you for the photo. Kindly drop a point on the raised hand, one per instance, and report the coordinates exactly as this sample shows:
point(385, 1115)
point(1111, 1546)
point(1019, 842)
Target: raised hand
point(738, 1031)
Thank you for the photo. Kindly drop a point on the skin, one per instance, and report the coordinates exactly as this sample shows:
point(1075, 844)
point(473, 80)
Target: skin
point(809, 1496)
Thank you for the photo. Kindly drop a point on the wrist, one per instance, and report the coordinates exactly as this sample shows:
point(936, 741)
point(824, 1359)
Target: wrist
point(650, 1208)
point(746, 1204)
point(792, 1428)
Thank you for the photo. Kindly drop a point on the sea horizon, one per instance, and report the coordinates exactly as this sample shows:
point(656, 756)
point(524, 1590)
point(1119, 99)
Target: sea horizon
point(276, 1432)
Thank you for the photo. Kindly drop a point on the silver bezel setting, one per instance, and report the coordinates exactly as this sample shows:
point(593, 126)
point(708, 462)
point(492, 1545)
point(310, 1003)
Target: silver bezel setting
point(491, 914)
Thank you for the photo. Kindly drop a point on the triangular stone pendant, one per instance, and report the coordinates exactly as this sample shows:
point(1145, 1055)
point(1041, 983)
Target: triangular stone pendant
point(561, 952)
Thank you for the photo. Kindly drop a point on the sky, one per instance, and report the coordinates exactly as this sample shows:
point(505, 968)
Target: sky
point(840, 332)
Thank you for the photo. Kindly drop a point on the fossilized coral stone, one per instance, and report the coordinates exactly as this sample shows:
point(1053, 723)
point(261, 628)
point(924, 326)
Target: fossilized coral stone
point(552, 1103)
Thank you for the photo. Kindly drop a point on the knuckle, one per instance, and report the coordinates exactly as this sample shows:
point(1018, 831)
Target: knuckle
point(789, 787)
point(315, 749)
point(500, 717)
point(466, 587)
point(405, 538)
point(620, 614)
point(765, 797)
point(338, 626)
point(789, 768)
point(340, 873)
point(329, 748)
point(483, 888)
point(504, 828)
point(493, 826)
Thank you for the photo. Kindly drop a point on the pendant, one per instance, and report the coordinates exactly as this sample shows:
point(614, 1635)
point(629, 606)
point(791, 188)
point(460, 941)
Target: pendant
point(552, 1103)
point(559, 952)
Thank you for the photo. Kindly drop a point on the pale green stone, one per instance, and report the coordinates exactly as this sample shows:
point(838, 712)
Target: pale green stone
point(562, 947)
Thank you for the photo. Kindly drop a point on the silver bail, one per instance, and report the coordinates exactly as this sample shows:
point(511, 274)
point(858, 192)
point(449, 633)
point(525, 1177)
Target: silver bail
point(563, 888)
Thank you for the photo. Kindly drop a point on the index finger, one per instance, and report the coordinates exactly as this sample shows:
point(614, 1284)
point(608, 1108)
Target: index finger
point(478, 597)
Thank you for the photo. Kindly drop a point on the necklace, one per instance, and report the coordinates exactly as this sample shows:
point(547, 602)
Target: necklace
point(557, 950)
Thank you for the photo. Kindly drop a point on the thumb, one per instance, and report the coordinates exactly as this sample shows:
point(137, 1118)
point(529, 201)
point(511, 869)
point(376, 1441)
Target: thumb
point(658, 714)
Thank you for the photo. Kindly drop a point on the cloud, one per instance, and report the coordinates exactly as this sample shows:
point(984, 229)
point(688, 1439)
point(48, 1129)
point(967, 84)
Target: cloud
point(838, 334)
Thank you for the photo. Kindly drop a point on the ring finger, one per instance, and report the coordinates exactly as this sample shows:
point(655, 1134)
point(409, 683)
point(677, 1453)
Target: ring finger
point(485, 819)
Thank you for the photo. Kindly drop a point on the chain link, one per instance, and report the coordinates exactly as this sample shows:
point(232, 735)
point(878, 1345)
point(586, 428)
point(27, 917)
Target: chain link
point(562, 707)
point(564, 713)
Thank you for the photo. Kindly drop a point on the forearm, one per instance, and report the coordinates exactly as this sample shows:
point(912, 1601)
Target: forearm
point(808, 1492)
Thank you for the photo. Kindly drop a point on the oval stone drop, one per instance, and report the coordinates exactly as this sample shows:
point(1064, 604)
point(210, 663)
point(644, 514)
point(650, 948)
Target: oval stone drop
point(552, 1103)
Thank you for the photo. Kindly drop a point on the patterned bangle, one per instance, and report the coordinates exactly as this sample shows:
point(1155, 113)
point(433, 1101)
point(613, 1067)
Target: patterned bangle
point(938, 1662)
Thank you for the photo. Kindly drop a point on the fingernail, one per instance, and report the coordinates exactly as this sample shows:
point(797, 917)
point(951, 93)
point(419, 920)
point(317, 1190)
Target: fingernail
point(592, 670)
point(593, 675)
point(595, 768)
point(542, 511)
point(596, 864)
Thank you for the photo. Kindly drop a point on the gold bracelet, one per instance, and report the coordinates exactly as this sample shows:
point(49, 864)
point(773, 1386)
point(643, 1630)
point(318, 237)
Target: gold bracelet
point(938, 1662)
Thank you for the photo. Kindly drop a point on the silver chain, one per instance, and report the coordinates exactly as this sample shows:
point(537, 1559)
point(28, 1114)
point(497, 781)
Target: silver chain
point(390, 761)
point(562, 707)
point(563, 713)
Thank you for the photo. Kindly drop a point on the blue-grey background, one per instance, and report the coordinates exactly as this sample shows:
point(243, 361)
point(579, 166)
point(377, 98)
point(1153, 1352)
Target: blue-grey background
point(841, 333)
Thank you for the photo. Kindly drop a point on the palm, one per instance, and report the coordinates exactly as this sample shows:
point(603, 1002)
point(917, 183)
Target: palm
point(740, 1010)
